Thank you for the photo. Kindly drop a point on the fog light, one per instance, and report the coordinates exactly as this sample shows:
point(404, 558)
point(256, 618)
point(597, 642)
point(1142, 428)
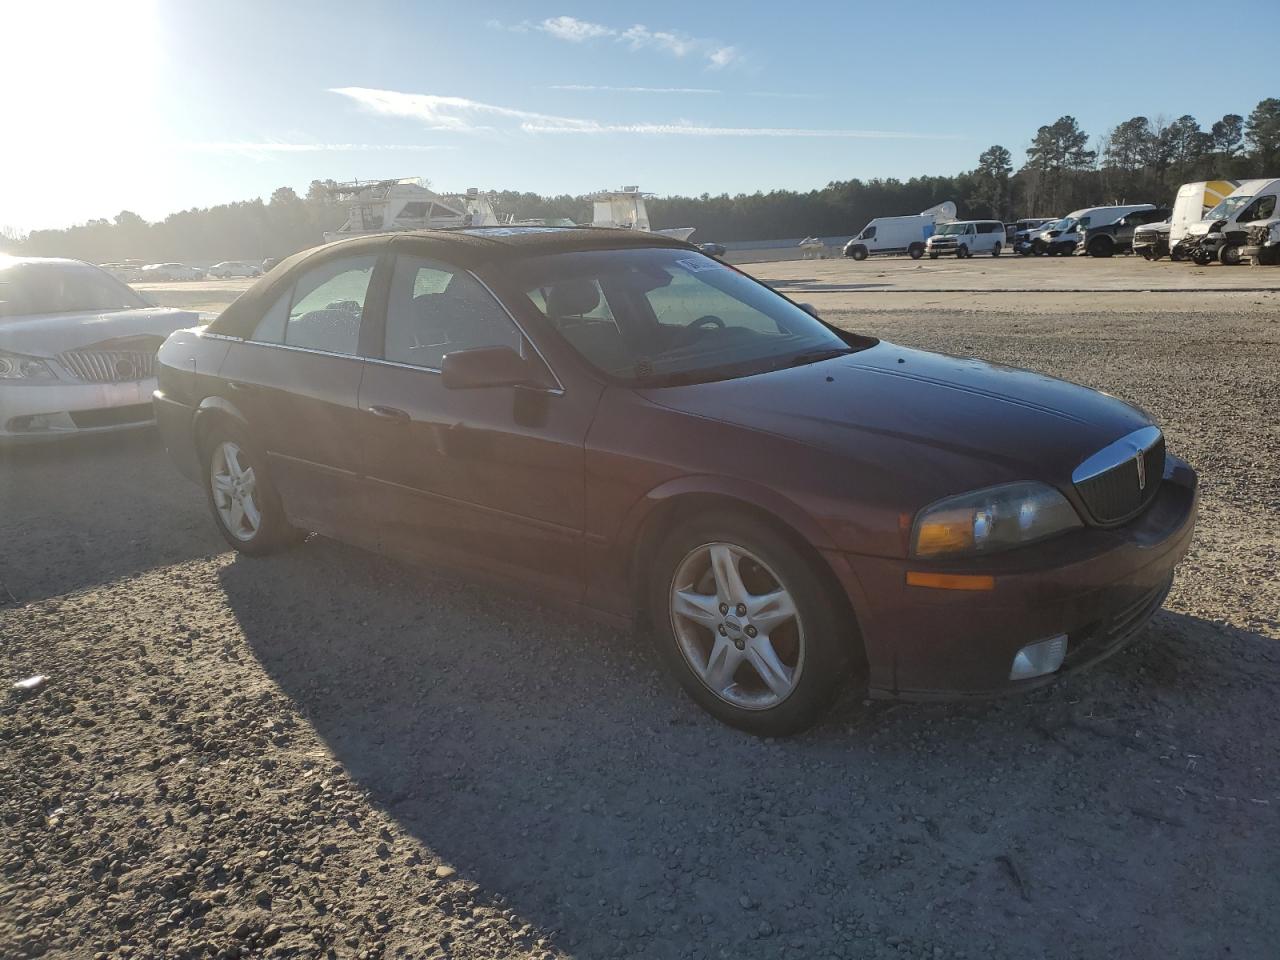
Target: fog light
point(1037, 659)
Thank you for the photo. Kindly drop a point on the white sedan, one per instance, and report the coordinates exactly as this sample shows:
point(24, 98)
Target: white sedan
point(234, 268)
point(171, 271)
point(77, 349)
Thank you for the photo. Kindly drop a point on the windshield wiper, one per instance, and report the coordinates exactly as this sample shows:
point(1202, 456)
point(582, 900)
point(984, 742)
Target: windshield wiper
point(812, 356)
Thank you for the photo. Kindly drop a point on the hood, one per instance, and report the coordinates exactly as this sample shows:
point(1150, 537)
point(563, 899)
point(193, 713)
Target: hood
point(48, 334)
point(920, 411)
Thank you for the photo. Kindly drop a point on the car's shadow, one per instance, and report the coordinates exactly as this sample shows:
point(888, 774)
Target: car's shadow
point(554, 764)
point(118, 504)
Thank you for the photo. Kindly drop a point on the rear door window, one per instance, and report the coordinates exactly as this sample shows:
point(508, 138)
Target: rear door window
point(328, 303)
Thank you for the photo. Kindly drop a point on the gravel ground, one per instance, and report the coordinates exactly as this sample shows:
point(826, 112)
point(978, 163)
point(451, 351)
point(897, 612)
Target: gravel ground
point(329, 754)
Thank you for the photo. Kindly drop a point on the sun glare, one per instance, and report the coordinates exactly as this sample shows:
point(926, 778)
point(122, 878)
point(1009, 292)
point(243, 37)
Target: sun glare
point(80, 86)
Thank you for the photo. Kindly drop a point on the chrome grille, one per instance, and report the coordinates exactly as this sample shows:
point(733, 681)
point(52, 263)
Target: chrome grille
point(1119, 481)
point(109, 366)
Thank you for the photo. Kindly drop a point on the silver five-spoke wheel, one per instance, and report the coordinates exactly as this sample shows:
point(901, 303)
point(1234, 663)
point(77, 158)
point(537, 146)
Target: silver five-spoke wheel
point(234, 489)
point(737, 626)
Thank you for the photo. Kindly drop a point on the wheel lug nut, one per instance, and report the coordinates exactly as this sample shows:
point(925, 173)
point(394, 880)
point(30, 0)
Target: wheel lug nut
point(741, 610)
point(724, 608)
point(739, 644)
point(722, 630)
point(751, 631)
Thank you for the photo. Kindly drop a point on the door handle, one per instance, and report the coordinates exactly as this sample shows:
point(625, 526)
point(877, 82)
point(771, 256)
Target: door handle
point(388, 413)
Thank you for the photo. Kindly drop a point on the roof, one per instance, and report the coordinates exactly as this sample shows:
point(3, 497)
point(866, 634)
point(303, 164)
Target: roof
point(469, 247)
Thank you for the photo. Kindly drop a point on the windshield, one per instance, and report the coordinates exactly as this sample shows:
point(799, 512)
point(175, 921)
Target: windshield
point(1227, 207)
point(658, 317)
point(951, 229)
point(36, 288)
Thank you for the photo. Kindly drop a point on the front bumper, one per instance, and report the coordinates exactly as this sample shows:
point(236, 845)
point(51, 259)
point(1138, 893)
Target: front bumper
point(1097, 586)
point(41, 411)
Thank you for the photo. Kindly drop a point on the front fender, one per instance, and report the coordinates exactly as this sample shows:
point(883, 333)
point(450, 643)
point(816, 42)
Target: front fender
point(613, 586)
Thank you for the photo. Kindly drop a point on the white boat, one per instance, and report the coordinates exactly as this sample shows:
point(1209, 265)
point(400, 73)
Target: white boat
point(625, 209)
point(387, 206)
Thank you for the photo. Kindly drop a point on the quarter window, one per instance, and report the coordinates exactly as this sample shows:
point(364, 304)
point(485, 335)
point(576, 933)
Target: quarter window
point(435, 309)
point(328, 302)
point(270, 328)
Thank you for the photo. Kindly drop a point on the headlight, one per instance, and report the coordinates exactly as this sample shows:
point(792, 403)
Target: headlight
point(15, 366)
point(990, 520)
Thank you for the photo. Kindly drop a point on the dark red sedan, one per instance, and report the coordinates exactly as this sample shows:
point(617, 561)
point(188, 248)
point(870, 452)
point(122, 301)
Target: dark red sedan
point(613, 421)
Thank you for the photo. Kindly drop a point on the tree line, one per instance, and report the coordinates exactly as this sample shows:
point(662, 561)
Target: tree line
point(1142, 160)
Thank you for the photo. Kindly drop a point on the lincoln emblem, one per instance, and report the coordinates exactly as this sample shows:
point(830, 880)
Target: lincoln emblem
point(1142, 471)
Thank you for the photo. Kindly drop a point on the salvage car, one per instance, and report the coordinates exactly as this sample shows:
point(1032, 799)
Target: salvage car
point(227, 269)
point(614, 422)
point(77, 349)
point(171, 271)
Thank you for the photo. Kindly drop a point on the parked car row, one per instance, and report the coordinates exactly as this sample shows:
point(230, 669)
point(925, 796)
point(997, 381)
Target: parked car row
point(1227, 221)
point(135, 271)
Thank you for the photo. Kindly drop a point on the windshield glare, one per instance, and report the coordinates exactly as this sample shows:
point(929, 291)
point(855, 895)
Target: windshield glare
point(951, 229)
point(29, 289)
point(1227, 207)
point(662, 316)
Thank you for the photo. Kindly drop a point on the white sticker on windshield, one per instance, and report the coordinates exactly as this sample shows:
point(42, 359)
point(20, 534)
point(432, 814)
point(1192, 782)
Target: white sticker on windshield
point(698, 264)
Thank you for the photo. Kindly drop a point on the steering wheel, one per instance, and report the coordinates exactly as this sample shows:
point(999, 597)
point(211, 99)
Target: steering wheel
point(694, 329)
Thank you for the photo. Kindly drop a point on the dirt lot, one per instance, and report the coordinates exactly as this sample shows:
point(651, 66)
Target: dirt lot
point(328, 754)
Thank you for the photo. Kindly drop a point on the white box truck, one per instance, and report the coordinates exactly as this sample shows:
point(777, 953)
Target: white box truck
point(899, 234)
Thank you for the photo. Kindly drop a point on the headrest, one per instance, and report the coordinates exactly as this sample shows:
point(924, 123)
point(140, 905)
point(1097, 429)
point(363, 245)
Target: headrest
point(572, 298)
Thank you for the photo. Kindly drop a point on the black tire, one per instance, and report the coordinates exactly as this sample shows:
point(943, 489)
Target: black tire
point(858, 253)
point(995, 251)
point(1229, 254)
point(915, 251)
point(1100, 247)
point(823, 643)
point(933, 254)
point(1148, 253)
point(962, 252)
point(274, 531)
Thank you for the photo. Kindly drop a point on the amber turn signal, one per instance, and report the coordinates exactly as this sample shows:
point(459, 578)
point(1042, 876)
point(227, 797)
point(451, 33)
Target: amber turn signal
point(950, 581)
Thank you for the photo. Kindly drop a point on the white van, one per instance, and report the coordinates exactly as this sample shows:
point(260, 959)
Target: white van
point(964, 238)
point(899, 234)
point(1225, 229)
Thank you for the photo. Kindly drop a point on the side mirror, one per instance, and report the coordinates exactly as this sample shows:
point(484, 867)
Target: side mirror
point(485, 367)
point(809, 308)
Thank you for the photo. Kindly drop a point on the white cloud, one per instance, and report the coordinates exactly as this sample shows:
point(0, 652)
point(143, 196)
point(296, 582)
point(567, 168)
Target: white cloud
point(574, 30)
point(605, 88)
point(636, 37)
point(458, 114)
point(639, 37)
point(722, 56)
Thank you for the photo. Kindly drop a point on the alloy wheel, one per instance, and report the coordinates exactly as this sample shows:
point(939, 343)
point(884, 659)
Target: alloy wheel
point(737, 626)
point(234, 488)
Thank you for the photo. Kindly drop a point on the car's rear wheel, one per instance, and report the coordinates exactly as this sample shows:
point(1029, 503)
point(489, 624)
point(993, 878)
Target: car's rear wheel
point(1100, 247)
point(245, 505)
point(741, 618)
point(995, 251)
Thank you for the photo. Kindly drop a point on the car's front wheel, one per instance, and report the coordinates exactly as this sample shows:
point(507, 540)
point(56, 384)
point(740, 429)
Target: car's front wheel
point(245, 505)
point(742, 619)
